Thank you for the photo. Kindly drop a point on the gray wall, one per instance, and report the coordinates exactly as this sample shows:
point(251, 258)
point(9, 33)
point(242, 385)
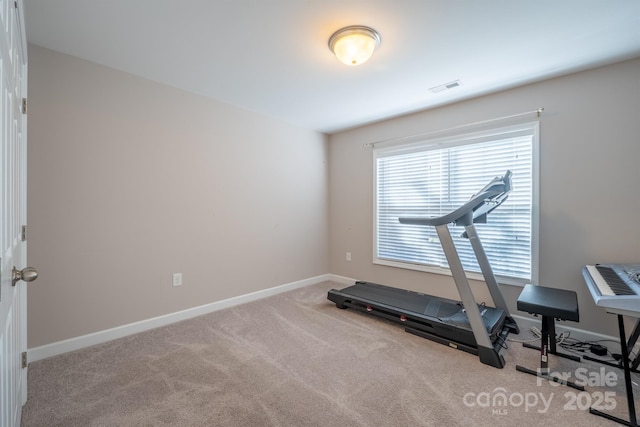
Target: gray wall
point(589, 182)
point(130, 181)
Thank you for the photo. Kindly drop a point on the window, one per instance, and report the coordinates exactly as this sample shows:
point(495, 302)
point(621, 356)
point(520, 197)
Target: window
point(433, 177)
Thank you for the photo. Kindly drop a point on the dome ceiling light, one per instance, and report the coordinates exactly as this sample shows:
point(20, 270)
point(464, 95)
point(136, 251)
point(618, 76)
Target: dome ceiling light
point(355, 44)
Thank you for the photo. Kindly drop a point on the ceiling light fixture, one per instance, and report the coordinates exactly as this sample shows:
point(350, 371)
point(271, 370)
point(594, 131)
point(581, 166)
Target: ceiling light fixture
point(355, 44)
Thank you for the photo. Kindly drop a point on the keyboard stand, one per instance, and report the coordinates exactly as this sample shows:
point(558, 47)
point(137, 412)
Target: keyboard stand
point(632, 422)
point(631, 343)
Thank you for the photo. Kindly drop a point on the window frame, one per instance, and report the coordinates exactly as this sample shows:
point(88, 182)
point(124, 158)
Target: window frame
point(466, 137)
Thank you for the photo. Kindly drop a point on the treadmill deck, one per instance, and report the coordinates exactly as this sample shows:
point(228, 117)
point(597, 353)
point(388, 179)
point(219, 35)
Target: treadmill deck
point(442, 317)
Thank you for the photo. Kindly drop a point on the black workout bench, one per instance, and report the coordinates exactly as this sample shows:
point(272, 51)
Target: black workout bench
point(551, 304)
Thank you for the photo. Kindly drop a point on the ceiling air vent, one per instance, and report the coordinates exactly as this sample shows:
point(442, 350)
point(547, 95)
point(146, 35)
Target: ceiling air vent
point(446, 86)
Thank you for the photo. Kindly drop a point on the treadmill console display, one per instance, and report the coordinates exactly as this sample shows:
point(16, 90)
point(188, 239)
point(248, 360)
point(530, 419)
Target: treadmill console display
point(475, 209)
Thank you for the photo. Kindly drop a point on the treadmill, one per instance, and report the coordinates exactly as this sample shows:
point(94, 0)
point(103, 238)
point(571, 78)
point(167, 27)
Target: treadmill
point(465, 325)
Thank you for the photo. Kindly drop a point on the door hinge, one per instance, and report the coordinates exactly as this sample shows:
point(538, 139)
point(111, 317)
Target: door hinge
point(24, 105)
point(24, 359)
point(23, 234)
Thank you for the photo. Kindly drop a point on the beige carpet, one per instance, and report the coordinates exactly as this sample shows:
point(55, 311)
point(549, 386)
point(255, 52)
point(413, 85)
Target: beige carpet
point(296, 360)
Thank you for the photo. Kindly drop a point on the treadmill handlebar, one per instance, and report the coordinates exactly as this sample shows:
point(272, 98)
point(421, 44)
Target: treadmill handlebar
point(475, 209)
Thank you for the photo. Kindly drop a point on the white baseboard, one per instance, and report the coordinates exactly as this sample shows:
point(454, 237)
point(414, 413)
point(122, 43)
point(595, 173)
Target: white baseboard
point(60, 347)
point(341, 279)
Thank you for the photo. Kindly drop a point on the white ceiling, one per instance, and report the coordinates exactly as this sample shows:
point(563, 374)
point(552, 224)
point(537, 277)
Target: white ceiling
point(271, 56)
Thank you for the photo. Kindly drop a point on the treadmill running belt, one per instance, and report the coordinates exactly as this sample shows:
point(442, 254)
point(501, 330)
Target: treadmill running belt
point(403, 299)
point(439, 313)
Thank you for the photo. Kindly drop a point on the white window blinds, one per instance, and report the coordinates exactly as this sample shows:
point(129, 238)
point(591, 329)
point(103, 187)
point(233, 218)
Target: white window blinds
point(435, 177)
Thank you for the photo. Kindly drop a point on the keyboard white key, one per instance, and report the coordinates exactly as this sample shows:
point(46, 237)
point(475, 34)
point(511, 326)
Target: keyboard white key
point(602, 285)
point(615, 287)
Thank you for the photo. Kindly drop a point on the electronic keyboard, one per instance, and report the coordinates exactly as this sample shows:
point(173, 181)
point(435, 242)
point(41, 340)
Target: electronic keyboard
point(615, 287)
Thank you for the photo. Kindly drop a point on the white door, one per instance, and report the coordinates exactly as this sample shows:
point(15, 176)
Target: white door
point(13, 150)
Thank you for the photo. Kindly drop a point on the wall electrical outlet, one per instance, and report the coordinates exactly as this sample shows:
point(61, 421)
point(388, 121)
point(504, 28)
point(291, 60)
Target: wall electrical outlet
point(348, 256)
point(177, 279)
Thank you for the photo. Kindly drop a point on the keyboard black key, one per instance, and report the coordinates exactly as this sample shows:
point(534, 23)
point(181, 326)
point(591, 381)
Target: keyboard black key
point(617, 285)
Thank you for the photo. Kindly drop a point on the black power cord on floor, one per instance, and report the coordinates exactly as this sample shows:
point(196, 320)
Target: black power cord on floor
point(572, 345)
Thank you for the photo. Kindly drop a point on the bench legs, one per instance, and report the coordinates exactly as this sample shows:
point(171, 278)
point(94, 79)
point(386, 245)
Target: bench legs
point(547, 347)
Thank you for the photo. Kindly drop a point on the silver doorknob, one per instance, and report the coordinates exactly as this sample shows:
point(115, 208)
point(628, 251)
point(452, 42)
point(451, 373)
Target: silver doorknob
point(28, 274)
